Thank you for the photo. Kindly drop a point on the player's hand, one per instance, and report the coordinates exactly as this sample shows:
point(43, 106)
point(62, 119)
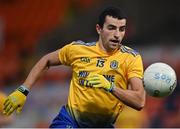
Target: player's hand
point(15, 101)
point(99, 81)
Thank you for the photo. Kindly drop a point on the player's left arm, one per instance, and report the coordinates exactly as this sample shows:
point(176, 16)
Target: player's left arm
point(134, 96)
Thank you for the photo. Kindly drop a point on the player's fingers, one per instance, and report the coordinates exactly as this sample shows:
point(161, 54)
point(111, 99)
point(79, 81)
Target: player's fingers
point(8, 107)
point(93, 78)
point(97, 85)
point(11, 110)
point(7, 101)
point(19, 109)
point(94, 82)
point(6, 104)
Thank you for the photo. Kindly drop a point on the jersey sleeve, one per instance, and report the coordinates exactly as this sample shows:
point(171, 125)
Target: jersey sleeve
point(65, 55)
point(135, 67)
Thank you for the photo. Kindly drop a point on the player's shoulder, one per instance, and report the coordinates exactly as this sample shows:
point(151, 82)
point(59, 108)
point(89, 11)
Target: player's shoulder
point(128, 50)
point(82, 43)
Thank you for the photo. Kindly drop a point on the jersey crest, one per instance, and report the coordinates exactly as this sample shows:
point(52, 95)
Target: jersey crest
point(114, 64)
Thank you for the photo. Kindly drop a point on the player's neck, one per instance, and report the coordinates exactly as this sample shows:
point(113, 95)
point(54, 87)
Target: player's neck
point(104, 50)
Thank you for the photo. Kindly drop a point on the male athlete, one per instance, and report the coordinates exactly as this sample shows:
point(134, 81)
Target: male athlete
point(106, 75)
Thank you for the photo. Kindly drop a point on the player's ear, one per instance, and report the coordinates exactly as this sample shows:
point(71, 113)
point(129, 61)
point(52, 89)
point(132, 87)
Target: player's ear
point(98, 28)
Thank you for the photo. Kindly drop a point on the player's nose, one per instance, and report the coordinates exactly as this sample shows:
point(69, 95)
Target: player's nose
point(117, 34)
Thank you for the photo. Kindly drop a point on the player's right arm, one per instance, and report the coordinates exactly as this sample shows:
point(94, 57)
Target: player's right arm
point(16, 100)
point(41, 67)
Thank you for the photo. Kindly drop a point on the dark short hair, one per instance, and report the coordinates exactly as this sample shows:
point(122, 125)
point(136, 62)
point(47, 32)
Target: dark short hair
point(115, 12)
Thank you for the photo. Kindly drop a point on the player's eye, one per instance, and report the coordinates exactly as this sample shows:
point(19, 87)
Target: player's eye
point(122, 28)
point(111, 27)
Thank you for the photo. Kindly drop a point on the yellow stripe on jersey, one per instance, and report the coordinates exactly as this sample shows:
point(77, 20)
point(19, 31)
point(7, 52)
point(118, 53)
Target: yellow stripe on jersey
point(90, 106)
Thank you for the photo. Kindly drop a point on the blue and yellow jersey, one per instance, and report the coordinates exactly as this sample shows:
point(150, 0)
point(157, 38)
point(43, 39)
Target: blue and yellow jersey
point(91, 106)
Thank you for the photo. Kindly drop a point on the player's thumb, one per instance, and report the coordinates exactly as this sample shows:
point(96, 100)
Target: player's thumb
point(19, 109)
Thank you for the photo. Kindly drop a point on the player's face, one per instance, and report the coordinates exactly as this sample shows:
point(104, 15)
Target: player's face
point(112, 33)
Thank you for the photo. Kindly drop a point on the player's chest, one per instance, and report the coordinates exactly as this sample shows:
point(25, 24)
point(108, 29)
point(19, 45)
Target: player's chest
point(97, 63)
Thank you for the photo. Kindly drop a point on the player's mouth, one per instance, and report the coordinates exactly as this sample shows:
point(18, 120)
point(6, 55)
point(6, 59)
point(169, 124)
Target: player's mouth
point(115, 42)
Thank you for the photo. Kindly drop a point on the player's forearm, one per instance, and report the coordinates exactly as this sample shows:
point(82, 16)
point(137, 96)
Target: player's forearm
point(51, 59)
point(38, 70)
point(134, 99)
